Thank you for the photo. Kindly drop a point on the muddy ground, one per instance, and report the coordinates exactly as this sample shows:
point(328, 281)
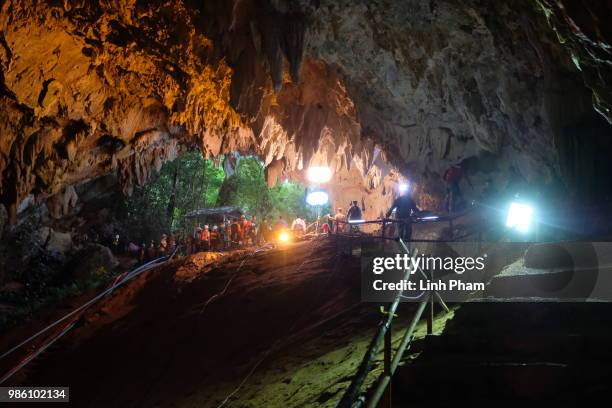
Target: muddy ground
point(279, 328)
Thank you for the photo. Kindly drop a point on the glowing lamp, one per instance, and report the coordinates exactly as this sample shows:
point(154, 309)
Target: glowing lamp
point(403, 187)
point(317, 198)
point(283, 237)
point(431, 217)
point(318, 174)
point(519, 217)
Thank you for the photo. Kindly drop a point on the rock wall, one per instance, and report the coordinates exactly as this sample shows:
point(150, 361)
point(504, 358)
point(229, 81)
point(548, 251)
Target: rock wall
point(91, 88)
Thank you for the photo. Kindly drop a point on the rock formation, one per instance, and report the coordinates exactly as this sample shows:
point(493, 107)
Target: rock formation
point(381, 87)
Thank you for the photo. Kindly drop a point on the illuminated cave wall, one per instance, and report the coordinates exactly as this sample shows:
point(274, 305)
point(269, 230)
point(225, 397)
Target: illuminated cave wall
point(90, 88)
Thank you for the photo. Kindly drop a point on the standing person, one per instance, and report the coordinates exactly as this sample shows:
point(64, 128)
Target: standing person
point(163, 245)
point(263, 231)
point(222, 237)
point(235, 232)
point(196, 239)
point(245, 227)
point(228, 234)
point(452, 177)
point(405, 207)
point(142, 253)
point(214, 238)
point(189, 245)
point(115, 245)
point(253, 230)
point(172, 243)
point(280, 224)
point(205, 239)
point(298, 226)
point(151, 251)
point(354, 213)
point(133, 249)
point(339, 220)
point(330, 223)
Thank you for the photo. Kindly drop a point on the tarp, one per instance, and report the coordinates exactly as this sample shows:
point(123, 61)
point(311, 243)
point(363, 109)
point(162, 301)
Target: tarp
point(230, 210)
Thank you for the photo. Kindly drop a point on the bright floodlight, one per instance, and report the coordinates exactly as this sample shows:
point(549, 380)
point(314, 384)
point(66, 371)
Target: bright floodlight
point(519, 217)
point(431, 217)
point(403, 187)
point(319, 174)
point(317, 198)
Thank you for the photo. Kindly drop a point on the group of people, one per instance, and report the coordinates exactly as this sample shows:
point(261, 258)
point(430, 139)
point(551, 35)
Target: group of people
point(226, 235)
point(145, 253)
point(403, 209)
point(230, 234)
point(240, 232)
point(340, 222)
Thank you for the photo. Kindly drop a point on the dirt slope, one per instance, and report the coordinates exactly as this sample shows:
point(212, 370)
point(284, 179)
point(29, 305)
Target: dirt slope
point(293, 314)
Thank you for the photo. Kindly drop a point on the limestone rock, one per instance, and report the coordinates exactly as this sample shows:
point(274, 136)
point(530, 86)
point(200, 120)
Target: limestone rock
point(91, 262)
point(55, 241)
point(92, 88)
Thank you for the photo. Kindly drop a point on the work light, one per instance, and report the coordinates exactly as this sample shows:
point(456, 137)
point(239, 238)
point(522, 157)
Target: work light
point(519, 216)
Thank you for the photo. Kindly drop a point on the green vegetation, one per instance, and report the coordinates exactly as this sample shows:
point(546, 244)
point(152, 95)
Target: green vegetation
point(191, 182)
point(247, 188)
point(187, 183)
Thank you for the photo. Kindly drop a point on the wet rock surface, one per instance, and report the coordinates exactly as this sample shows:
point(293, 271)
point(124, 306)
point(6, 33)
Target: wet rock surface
point(89, 89)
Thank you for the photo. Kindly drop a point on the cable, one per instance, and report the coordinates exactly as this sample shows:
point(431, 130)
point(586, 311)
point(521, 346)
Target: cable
point(229, 281)
point(108, 290)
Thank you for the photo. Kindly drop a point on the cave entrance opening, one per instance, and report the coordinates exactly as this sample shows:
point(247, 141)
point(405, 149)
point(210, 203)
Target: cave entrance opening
point(191, 182)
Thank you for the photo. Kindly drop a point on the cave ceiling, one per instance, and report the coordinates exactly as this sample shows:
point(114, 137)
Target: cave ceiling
point(381, 87)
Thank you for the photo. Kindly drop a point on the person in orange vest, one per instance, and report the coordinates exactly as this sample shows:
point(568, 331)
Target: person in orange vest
point(245, 229)
point(205, 239)
point(214, 238)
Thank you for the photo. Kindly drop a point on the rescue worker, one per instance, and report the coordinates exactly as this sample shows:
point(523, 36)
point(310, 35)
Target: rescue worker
point(163, 245)
point(115, 244)
point(253, 230)
point(205, 239)
point(245, 229)
point(452, 177)
point(196, 239)
point(339, 219)
point(142, 253)
point(151, 251)
point(189, 245)
point(298, 226)
point(405, 207)
point(280, 224)
point(354, 213)
point(263, 232)
point(215, 238)
point(172, 243)
point(235, 230)
point(133, 249)
point(228, 234)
